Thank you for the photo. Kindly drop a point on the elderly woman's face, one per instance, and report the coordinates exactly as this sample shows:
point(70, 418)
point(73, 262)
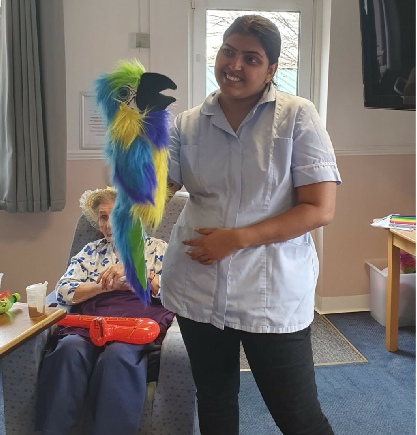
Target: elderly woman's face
point(104, 223)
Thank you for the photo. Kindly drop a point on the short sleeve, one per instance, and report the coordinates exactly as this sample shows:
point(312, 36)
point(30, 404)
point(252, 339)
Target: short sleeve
point(154, 253)
point(313, 159)
point(75, 275)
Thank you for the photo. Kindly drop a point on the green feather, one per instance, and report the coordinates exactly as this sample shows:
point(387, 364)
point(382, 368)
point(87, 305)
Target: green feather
point(137, 249)
point(128, 73)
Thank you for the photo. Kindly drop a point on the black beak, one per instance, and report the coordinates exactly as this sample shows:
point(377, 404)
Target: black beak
point(148, 95)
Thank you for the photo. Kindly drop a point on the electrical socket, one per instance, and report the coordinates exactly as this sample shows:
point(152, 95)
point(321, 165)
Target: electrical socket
point(143, 40)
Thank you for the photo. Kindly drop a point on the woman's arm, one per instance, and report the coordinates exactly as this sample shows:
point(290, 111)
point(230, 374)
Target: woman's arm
point(75, 276)
point(111, 278)
point(85, 291)
point(315, 208)
point(91, 272)
point(155, 250)
point(76, 286)
point(153, 279)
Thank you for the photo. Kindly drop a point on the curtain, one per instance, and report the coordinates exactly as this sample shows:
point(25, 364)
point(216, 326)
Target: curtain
point(32, 106)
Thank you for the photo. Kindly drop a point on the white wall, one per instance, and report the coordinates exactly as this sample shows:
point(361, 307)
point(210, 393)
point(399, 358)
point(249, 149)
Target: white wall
point(170, 29)
point(98, 33)
point(354, 129)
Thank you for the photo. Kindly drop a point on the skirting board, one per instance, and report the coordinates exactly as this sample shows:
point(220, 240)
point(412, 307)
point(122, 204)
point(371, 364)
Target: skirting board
point(342, 304)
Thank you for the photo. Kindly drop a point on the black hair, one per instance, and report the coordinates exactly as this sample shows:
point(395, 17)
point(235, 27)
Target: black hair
point(263, 29)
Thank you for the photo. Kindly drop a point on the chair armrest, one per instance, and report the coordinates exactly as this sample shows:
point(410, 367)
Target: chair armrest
point(51, 301)
point(174, 404)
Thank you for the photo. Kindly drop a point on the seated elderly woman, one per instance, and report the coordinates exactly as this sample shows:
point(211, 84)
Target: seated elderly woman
point(114, 375)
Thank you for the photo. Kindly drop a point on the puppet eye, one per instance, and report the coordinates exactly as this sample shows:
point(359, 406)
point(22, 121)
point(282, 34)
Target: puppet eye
point(125, 94)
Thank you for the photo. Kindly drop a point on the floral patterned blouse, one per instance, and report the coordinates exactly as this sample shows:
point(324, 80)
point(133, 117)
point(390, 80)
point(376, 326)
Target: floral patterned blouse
point(95, 257)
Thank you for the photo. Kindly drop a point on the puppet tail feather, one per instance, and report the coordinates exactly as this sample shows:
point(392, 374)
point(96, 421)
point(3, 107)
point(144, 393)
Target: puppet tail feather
point(129, 239)
point(135, 268)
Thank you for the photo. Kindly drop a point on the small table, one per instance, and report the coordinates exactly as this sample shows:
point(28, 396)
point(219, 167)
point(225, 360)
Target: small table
point(405, 240)
point(16, 327)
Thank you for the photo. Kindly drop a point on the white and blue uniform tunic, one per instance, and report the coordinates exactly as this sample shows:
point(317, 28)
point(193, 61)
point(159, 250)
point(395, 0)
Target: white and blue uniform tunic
point(236, 179)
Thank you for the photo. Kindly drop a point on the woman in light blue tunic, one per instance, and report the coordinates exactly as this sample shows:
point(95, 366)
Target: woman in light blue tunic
point(241, 266)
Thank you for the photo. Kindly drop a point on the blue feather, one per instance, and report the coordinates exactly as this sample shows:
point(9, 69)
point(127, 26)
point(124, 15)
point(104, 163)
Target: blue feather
point(105, 98)
point(134, 171)
point(156, 128)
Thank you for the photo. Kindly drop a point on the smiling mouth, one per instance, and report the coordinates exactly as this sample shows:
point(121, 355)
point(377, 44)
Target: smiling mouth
point(232, 78)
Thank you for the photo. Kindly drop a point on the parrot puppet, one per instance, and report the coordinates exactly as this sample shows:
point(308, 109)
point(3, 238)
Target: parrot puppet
point(136, 151)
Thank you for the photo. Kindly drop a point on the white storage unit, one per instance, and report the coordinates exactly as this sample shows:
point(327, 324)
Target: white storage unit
point(378, 275)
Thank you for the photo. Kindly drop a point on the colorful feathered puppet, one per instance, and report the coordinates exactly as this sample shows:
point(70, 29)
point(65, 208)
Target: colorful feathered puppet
point(136, 150)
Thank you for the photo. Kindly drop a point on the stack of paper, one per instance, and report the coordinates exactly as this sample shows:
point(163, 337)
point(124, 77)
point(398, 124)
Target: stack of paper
point(397, 221)
point(402, 222)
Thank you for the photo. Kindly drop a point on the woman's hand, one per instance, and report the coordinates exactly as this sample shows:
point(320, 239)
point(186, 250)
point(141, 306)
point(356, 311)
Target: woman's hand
point(154, 282)
point(113, 278)
point(215, 244)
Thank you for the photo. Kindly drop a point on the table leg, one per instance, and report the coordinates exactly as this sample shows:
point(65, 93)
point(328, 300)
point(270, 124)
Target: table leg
point(393, 295)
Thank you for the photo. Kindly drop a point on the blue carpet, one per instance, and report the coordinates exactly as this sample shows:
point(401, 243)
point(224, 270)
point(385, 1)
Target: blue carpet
point(376, 398)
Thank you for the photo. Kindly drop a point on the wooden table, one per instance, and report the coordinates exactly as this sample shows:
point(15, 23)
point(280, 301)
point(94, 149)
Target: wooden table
point(405, 240)
point(16, 327)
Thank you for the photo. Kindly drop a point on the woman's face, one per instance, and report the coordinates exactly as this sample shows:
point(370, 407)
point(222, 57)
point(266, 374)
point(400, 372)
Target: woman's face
point(104, 223)
point(242, 68)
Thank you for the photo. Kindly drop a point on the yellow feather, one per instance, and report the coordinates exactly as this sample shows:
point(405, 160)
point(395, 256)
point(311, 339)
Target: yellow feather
point(127, 125)
point(161, 165)
point(151, 215)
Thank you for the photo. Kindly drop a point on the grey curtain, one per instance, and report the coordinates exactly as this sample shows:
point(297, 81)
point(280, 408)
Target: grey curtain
point(32, 106)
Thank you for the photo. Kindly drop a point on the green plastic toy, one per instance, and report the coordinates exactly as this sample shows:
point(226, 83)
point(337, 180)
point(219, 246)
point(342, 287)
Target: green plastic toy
point(7, 299)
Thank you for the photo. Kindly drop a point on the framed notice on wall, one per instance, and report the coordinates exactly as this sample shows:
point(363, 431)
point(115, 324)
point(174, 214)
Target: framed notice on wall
point(92, 124)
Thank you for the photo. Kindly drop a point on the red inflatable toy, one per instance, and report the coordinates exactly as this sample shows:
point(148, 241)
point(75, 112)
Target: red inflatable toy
point(125, 329)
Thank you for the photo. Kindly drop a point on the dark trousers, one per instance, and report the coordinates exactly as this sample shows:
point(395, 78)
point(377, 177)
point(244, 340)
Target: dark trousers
point(282, 365)
point(114, 376)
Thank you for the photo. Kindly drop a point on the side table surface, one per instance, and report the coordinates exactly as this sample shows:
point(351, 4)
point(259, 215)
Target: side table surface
point(16, 327)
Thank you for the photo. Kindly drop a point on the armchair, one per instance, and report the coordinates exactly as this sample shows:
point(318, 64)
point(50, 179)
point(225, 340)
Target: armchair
point(170, 407)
